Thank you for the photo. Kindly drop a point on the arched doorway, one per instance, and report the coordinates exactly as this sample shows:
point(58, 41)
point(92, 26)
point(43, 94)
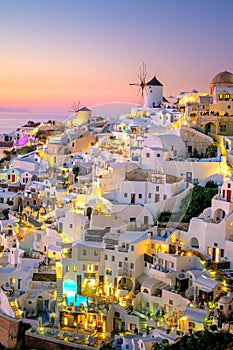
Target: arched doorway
point(219, 214)
point(18, 204)
point(210, 128)
point(89, 212)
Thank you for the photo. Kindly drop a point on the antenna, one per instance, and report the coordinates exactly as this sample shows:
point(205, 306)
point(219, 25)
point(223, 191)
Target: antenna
point(142, 83)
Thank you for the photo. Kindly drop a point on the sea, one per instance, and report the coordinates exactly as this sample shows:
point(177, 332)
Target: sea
point(12, 121)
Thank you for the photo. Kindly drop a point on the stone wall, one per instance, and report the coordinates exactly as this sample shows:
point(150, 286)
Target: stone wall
point(9, 330)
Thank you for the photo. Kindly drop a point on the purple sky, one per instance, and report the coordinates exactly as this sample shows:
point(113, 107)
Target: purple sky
point(54, 52)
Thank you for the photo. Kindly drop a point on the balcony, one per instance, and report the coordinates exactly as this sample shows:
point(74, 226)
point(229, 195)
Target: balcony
point(123, 249)
point(89, 275)
point(124, 273)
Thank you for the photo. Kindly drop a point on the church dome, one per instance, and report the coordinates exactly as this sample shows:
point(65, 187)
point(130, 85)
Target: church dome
point(223, 78)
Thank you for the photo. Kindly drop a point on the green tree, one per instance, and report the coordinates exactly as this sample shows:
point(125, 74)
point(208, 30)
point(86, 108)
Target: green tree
point(196, 201)
point(211, 151)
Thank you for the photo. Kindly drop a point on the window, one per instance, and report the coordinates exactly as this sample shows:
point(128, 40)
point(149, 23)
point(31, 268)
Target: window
point(164, 196)
point(120, 263)
point(95, 252)
point(229, 106)
point(147, 155)
point(208, 250)
point(215, 244)
point(132, 265)
point(158, 155)
point(67, 269)
point(229, 185)
point(191, 325)
point(113, 258)
point(223, 128)
point(170, 302)
point(140, 195)
point(84, 252)
point(157, 189)
point(223, 193)
point(96, 267)
point(221, 307)
point(125, 195)
point(132, 248)
point(71, 225)
point(74, 268)
point(106, 257)
point(149, 195)
point(229, 307)
point(152, 245)
point(109, 272)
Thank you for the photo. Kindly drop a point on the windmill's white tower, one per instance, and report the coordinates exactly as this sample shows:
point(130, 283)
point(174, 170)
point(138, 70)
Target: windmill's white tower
point(83, 116)
point(153, 93)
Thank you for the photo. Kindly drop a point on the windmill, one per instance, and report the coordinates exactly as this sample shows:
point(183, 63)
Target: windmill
point(142, 83)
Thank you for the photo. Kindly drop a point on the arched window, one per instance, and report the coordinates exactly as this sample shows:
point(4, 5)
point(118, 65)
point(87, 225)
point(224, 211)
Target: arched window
point(194, 242)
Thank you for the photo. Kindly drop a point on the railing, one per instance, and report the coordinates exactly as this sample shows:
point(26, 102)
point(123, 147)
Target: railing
point(124, 273)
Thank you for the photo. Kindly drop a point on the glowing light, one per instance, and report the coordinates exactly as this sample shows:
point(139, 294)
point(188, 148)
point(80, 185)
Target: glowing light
point(66, 321)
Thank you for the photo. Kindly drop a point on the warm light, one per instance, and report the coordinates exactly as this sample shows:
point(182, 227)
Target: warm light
point(66, 321)
point(41, 330)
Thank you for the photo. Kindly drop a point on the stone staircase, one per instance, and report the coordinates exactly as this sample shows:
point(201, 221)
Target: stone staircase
point(59, 285)
point(15, 308)
point(59, 300)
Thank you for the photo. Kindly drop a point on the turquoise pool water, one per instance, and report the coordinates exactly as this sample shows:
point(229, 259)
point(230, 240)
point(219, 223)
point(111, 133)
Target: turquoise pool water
point(80, 299)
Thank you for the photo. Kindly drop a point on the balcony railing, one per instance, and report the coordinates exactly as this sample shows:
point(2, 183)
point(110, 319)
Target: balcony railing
point(124, 273)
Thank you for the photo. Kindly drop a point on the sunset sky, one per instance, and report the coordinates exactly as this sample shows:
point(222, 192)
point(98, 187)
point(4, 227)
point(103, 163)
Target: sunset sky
point(54, 52)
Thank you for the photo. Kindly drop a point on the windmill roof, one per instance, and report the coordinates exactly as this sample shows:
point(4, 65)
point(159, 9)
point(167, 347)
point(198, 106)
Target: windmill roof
point(154, 81)
point(84, 109)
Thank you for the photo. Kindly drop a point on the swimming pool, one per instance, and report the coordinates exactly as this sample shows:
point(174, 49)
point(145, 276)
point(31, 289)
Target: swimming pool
point(77, 300)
